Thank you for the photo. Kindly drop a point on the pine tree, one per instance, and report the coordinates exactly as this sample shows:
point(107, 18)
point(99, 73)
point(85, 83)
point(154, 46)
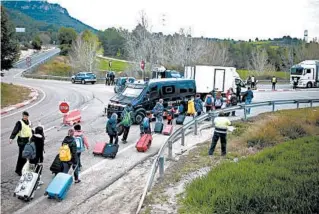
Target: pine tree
point(9, 45)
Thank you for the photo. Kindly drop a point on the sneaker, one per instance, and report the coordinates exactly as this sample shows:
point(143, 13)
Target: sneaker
point(77, 181)
point(124, 141)
point(41, 182)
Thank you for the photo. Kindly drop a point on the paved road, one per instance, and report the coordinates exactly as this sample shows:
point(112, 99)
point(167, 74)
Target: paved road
point(90, 99)
point(38, 57)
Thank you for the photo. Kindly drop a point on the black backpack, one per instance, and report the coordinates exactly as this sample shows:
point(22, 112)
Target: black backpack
point(233, 100)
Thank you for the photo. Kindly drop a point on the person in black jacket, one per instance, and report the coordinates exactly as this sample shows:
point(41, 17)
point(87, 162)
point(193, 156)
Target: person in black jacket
point(66, 165)
point(111, 128)
point(38, 139)
point(24, 132)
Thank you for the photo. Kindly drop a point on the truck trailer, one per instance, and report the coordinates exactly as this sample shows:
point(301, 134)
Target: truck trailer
point(209, 78)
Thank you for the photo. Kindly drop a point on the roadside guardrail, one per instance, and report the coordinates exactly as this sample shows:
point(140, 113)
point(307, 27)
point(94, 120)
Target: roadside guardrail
point(180, 133)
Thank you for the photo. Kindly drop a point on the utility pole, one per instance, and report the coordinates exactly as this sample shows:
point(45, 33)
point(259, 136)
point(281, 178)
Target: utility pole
point(163, 37)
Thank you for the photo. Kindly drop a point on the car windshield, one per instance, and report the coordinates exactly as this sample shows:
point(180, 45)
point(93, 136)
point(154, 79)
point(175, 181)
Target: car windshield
point(132, 92)
point(296, 70)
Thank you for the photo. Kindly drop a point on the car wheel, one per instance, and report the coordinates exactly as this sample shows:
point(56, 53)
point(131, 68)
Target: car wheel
point(83, 82)
point(92, 83)
point(73, 81)
point(309, 85)
point(139, 117)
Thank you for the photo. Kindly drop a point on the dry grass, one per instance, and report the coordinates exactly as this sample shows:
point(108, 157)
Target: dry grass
point(59, 66)
point(13, 94)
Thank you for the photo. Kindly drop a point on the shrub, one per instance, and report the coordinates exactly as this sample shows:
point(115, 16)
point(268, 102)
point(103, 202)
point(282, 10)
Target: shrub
point(269, 130)
point(282, 179)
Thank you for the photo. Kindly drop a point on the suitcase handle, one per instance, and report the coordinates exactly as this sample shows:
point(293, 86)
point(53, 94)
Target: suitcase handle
point(71, 170)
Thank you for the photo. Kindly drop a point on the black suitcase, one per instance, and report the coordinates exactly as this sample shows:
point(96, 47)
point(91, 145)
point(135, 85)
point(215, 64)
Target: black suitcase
point(110, 150)
point(56, 166)
point(180, 119)
point(158, 127)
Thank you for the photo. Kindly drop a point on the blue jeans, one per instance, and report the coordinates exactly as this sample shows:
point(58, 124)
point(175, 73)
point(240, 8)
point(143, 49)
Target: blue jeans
point(66, 168)
point(248, 101)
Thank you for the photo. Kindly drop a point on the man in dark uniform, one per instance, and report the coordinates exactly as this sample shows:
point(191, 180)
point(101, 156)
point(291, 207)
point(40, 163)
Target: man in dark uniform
point(24, 132)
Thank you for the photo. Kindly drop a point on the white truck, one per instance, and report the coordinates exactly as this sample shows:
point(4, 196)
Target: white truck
point(306, 73)
point(208, 78)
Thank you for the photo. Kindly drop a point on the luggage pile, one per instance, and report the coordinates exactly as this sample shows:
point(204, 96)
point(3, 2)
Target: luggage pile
point(106, 150)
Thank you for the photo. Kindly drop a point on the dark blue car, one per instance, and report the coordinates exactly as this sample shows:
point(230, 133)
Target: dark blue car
point(84, 77)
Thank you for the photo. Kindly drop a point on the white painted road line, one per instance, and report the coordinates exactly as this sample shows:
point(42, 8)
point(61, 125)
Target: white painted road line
point(44, 96)
point(85, 107)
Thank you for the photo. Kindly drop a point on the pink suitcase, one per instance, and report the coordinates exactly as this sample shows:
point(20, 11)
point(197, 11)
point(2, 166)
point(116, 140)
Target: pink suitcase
point(99, 148)
point(168, 130)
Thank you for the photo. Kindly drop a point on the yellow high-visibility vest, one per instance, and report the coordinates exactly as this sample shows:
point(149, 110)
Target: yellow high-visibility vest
point(221, 124)
point(25, 131)
point(274, 79)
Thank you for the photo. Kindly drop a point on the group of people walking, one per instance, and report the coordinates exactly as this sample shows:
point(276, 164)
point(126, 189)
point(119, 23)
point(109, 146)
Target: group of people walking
point(69, 154)
point(109, 78)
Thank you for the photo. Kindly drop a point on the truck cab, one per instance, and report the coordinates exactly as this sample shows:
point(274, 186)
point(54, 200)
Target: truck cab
point(306, 74)
point(162, 73)
point(143, 96)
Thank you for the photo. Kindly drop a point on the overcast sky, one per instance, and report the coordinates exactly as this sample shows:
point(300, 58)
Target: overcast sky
point(238, 19)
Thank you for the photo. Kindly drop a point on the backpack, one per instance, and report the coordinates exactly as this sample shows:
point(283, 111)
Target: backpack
point(218, 102)
point(181, 108)
point(65, 153)
point(146, 123)
point(233, 100)
point(79, 144)
point(127, 119)
point(29, 151)
point(209, 100)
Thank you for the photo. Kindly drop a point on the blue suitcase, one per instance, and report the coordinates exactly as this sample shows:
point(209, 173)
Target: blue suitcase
point(110, 150)
point(59, 186)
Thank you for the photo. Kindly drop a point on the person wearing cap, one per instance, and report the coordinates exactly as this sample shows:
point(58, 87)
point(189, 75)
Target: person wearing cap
point(220, 132)
point(23, 130)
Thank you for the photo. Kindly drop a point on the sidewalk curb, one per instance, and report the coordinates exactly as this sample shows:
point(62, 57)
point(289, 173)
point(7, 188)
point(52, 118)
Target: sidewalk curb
point(34, 96)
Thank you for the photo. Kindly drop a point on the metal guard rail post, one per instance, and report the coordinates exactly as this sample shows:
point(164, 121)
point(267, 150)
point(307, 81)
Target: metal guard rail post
point(182, 131)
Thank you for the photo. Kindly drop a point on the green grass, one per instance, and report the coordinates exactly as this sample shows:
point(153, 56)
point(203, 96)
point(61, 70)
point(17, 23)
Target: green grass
point(13, 94)
point(118, 66)
point(282, 179)
point(264, 75)
point(59, 66)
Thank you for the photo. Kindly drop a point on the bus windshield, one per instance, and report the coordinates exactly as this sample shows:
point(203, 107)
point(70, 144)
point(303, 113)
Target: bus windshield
point(296, 70)
point(132, 92)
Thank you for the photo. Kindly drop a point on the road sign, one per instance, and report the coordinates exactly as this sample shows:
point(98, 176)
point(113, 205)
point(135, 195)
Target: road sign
point(64, 107)
point(142, 64)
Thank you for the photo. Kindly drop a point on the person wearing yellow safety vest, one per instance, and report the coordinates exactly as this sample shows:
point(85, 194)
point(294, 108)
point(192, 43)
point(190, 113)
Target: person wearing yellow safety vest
point(221, 125)
point(273, 81)
point(23, 130)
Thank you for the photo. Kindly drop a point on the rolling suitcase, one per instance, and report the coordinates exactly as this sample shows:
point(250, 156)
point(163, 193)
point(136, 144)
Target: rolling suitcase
point(158, 127)
point(59, 186)
point(180, 119)
point(56, 166)
point(168, 130)
point(28, 184)
point(144, 143)
point(110, 150)
point(99, 148)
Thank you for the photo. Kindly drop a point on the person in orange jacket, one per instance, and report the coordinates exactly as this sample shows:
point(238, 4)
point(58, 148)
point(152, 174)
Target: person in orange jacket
point(83, 142)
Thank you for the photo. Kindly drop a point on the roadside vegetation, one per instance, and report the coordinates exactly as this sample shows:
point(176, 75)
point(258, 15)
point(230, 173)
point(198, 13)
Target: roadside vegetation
point(283, 179)
point(59, 66)
point(13, 94)
point(281, 75)
point(117, 66)
point(246, 187)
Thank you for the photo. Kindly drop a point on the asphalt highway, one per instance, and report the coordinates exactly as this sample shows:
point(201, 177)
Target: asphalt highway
point(90, 99)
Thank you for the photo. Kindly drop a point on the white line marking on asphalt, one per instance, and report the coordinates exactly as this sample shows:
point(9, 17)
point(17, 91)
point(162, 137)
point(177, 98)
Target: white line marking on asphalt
point(44, 96)
point(24, 209)
point(85, 107)
point(49, 129)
